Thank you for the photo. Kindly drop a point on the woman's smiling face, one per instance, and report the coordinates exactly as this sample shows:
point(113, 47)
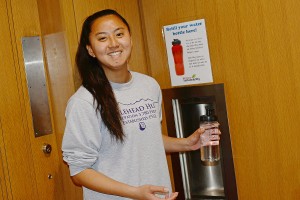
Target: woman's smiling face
point(110, 43)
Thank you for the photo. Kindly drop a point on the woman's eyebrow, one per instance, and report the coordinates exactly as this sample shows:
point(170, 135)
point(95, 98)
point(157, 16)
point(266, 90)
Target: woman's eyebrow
point(117, 29)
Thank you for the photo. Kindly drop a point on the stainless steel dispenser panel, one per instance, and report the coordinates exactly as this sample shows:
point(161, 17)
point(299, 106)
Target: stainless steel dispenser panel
point(36, 83)
point(198, 178)
point(182, 156)
point(206, 180)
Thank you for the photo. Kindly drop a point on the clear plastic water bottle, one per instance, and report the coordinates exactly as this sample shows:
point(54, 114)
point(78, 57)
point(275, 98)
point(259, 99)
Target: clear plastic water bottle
point(211, 152)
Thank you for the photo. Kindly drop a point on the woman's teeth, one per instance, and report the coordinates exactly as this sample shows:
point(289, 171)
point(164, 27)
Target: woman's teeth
point(115, 53)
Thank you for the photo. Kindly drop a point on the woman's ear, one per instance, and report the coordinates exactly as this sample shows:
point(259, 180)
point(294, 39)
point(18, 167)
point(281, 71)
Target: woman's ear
point(90, 51)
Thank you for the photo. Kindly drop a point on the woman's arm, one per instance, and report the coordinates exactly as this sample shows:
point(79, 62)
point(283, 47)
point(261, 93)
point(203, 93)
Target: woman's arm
point(97, 181)
point(190, 143)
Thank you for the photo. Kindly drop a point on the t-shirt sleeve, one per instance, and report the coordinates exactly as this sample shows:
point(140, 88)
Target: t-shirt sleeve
point(82, 136)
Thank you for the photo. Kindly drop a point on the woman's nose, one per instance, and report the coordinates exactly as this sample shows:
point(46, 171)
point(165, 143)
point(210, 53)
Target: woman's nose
point(113, 42)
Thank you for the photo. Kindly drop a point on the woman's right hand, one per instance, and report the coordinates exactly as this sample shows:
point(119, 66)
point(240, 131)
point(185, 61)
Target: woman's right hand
point(211, 135)
point(152, 192)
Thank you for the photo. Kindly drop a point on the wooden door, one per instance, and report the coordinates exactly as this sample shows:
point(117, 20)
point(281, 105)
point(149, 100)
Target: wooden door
point(3, 176)
point(16, 175)
point(3, 53)
point(25, 171)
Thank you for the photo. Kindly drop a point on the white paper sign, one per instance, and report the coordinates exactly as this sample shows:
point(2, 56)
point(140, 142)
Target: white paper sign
point(188, 54)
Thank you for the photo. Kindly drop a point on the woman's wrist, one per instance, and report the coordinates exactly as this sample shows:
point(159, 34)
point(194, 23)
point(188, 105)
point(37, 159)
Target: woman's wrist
point(187, 146)
point(132, 192)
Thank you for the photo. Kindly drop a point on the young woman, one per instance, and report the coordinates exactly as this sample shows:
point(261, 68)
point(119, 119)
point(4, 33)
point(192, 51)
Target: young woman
point(113, 142)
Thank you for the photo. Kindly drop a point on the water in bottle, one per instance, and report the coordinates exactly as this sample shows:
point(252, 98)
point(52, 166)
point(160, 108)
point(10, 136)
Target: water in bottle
point(209, 153)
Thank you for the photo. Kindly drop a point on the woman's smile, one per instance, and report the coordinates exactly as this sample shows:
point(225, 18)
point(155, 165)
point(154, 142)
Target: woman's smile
point(114, 53)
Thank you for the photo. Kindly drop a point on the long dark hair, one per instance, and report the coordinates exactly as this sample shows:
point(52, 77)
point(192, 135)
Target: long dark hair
point(95, 80)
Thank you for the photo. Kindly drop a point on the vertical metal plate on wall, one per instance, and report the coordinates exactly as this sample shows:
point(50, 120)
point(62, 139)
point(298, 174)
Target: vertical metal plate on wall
point(36, 83)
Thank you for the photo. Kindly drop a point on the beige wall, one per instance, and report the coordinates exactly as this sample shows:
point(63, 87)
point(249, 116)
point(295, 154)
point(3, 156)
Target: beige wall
point(254, 48)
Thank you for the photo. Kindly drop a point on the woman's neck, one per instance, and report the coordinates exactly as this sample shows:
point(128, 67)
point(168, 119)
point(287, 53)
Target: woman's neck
point(119, 77)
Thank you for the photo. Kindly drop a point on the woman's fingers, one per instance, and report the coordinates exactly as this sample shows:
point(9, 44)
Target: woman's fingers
point(172, 196)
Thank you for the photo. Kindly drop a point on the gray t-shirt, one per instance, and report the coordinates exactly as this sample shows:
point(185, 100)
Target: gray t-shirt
point(140, 159)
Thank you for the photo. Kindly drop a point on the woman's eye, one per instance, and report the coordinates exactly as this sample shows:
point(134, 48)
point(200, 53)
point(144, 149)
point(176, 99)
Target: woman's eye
point(120, 34)
point(102, 39)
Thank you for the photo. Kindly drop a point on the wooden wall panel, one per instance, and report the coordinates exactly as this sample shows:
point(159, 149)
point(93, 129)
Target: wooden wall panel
point(70, 31)
point(50, 16)
point(253, 48)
